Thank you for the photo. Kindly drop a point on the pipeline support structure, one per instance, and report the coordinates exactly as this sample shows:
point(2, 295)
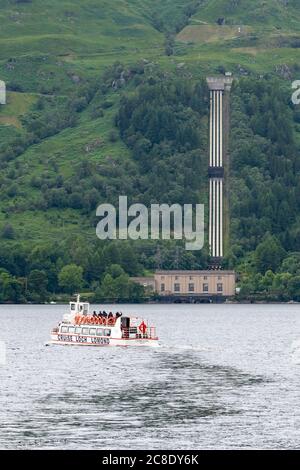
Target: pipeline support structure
point(218, 139)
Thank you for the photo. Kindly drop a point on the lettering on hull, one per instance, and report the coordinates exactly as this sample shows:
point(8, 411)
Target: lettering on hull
point(82, 339)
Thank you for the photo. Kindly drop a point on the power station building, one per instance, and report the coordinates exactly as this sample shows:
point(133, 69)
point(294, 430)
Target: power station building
point(190, 285)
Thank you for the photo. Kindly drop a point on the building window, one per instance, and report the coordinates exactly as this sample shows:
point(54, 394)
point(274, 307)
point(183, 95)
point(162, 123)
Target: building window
point(176, 278)
point(191, 278)
point(205, 287)
point(191, 287)
point(220, 287)
point(205, 278)
point(177, 287)
point(162, 288)
point(219, 278)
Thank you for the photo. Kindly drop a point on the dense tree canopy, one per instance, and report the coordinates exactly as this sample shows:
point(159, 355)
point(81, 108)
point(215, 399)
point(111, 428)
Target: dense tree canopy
point(162, 119)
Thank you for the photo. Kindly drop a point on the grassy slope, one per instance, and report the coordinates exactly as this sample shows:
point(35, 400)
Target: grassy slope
point(17, 104)
point(257, 35)
point(73, 27)
point(45, 43)
point(274, 13)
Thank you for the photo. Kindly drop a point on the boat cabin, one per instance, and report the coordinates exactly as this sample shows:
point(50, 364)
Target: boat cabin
point(79, 308)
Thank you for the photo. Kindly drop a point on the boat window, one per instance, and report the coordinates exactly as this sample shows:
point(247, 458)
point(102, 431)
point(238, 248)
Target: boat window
point(99, 331)
point(85, 308)
point(71, 329)
point(78, 330)
point(72, 306)
point(107, 332)
point(64, 329)
point(92, 331)
point(85, 331)
point(125, 322)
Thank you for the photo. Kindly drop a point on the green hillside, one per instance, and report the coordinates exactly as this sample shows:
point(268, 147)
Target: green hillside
point(69, 140)
point(275, 13)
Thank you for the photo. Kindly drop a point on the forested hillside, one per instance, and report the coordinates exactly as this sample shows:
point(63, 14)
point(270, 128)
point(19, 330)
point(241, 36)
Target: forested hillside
point(106, 99)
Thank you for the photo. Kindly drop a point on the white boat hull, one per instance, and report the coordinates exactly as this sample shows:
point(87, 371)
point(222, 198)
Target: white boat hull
point(101, 342)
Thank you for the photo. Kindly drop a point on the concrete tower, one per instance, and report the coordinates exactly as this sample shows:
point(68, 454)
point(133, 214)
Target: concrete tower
point(219, 130)
point(2, 92)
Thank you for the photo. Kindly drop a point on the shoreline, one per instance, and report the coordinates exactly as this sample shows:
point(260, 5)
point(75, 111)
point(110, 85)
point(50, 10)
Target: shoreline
point(259, 302)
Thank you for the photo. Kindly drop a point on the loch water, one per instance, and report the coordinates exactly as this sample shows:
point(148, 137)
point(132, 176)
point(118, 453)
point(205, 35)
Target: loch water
point(224, 377)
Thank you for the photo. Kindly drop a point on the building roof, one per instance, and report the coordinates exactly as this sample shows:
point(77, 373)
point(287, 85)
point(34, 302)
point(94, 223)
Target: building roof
point(195, 272)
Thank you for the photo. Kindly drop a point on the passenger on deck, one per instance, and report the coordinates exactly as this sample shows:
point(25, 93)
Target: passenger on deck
point(104, 314)
point(110, 315)
point(118, 315)
point(95, 314)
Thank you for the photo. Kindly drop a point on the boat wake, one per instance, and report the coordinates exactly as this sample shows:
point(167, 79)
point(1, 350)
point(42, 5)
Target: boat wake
point(186, 347)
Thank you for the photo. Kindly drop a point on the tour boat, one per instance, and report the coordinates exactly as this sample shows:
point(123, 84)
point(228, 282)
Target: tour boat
point(81, 328)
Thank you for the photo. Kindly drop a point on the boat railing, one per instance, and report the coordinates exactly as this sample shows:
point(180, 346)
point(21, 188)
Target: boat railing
point(134, 332)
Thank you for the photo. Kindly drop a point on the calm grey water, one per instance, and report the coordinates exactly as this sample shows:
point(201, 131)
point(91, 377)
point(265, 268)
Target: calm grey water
point(225, 376)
